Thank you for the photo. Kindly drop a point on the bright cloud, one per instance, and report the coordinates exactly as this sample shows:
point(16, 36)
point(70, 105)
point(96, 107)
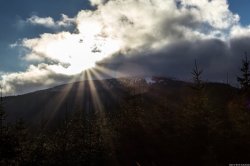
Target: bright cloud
point(49, 22)
point(215, 12)
point(129, 27)
point(97, 2)
point(76, 52)
point(239, 31)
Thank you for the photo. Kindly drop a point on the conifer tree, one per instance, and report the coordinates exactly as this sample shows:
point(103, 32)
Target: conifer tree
point(244, 79)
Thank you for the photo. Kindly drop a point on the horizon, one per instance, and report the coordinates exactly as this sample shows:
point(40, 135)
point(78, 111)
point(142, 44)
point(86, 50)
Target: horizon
point(117, 78)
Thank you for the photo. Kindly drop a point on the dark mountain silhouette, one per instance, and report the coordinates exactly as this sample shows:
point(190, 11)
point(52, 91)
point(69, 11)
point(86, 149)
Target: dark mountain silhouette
point(55, 103)
point(129, 121)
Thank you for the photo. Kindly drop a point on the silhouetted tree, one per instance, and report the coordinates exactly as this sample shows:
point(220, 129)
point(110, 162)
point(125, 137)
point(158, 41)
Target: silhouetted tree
point(238, 117)
point(197, 100)
point(195, 121)
point(197, 72)
point(244, 79)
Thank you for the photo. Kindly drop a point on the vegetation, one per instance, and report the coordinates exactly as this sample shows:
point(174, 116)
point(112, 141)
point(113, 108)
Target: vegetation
point(167, 123)
point(244, 80)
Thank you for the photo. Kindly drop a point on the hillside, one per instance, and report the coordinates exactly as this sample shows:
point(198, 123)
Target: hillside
point(131, 121)
point(56, 102)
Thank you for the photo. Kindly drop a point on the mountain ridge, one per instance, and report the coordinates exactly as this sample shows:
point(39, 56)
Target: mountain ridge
point(35, 106)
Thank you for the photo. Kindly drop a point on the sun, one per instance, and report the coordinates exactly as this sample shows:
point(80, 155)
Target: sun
point(76, 53)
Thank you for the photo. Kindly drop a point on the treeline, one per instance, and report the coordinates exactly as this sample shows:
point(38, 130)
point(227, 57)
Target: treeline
point(195, 124)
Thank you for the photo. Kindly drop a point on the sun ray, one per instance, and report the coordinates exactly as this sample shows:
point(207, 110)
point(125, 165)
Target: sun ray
point(119, 79)
point(105, 130)
point(95, 96)
point(63, 94)
point(107, 72)
point(105, 84)
point(80, 92)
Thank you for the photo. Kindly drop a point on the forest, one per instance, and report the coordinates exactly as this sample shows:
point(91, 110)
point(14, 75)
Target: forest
point(168, 122)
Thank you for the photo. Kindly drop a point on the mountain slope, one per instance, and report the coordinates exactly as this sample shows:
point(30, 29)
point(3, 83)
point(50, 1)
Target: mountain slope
point(55, 103)
point(133, 121)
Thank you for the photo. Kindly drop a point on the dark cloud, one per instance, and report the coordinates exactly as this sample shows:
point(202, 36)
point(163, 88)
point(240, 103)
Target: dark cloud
point(215, 57)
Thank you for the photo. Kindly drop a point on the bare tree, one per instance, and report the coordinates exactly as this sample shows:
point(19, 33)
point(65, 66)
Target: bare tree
point(197, 72)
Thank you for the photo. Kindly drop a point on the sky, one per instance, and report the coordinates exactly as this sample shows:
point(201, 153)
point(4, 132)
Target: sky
point(242, 8)
point(44, 43)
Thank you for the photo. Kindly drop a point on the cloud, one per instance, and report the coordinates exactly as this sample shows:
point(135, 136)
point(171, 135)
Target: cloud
point(215, 12)
point(70, 49)
point(239, 31)
point(216, 57)
point(35, 77)
point(49, 22)
point(161, 37)
point(97, 2)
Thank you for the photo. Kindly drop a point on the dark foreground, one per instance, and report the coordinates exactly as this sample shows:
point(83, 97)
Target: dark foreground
point(165, 123)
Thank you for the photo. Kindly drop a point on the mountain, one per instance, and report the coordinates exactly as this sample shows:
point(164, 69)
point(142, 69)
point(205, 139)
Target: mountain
point(129, 121)
point(55, 103)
